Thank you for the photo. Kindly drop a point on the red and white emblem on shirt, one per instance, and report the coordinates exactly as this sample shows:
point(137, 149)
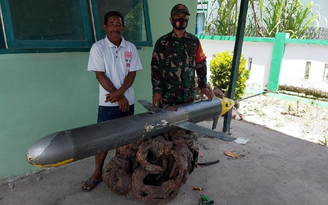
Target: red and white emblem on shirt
point(127, 56)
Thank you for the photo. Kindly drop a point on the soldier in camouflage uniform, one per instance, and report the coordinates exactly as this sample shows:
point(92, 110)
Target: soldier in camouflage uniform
point(176, 57)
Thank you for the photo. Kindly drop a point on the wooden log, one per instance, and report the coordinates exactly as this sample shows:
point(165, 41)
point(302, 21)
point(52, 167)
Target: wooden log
point(153, 171)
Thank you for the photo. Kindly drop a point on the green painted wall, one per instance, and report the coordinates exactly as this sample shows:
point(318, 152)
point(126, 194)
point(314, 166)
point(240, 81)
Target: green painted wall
point(41, 93)
point(277, 56)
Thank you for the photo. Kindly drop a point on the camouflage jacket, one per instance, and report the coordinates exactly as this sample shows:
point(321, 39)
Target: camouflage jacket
point(173, 67)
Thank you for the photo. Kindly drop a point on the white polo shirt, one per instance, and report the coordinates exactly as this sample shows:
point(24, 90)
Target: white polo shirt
point(116, 63)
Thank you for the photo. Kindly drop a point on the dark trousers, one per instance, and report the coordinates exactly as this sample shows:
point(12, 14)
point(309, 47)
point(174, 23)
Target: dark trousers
point(109, 113)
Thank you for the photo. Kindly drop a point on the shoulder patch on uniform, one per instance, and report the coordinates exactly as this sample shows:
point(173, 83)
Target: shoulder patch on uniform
point(200, 55)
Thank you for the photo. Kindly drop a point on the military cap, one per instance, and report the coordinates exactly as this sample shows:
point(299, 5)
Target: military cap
point(179, 8)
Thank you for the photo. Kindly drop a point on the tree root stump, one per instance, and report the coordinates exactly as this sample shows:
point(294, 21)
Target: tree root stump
point(152, 171)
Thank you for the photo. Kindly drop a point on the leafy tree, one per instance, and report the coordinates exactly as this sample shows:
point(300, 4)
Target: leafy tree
point(264, 20)
point(288, 16)
point(224, 18)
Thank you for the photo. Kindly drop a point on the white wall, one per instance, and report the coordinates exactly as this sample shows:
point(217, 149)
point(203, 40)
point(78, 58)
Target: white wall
point(258, 53)
point(293, 63)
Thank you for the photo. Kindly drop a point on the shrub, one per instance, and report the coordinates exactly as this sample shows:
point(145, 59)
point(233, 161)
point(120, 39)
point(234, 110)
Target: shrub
point(220, 67)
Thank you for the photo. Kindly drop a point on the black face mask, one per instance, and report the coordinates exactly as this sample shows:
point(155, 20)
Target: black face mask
point(180, 23)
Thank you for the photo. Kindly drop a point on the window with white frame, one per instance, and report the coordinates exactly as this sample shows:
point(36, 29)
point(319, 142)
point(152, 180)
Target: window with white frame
point(60, 24)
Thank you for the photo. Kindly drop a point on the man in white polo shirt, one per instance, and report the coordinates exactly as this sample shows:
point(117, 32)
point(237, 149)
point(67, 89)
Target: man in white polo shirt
point(115, 62)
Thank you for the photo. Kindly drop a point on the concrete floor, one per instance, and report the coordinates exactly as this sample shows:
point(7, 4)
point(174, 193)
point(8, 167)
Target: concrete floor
point(276, 169)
